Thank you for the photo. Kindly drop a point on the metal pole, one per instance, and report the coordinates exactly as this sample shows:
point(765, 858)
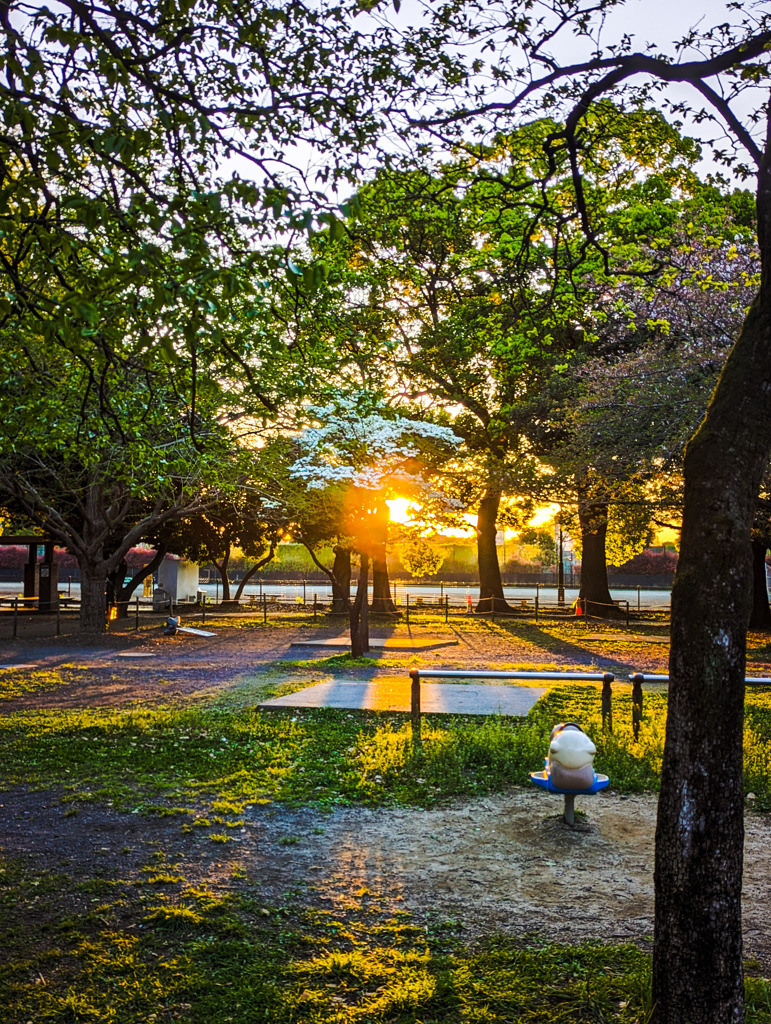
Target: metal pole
point(136, 614)
point(408, 609)
point(637, 703)
point(560, 575)
point(58, 619)
point(638, 597)
point(265, 609)
point(217, 591)
point(537, 591)
point(569, 811)
point(627, 613)
point(303, 592)
point(314, 607)
point(607, 702)
point(69, 586)
point(417, 739)
point(15, 617)
point(446, 607)
point(203, 610)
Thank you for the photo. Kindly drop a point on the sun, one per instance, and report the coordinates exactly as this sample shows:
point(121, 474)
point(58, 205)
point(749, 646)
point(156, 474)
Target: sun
point(398, 508)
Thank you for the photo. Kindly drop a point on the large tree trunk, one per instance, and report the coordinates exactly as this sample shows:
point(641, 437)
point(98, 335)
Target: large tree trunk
point(341, 580)
point(93, 597)
point(697, 957)
point(490, 586)
point(382, 601)
point(594, 593)
point(760, 617)
point(359, 616)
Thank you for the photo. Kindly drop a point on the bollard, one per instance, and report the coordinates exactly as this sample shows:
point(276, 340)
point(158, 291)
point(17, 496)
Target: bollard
point(417, 739)
point(15, 616)
point(136, 614)
point(637, 703)
point(446, 607)
point(607, 702)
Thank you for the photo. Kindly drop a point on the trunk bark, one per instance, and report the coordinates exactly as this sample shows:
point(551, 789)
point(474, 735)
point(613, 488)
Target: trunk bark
point(360, 612)
point(381, 588)
point(93, 597)
point(760, 617)
point(122, 595)
point(490, 586)
point(255, 569)
point(594, 593)
point(222, 568)
point(341, 580)
point(697, 956)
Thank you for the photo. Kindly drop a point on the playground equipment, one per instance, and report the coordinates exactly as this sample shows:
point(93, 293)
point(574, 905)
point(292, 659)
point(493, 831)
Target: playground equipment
point(568, 769)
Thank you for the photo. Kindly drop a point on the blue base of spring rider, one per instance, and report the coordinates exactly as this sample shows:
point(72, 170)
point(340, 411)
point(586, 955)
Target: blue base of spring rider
point(543, 779)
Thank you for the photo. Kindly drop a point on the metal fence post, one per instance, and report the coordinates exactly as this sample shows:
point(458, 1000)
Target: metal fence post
point(417, 739)
point(408, 609)
point(58, 619)
point(304, 593)
point(15, 617)
point(203, 610)
point(446, 607)
point(607, 702)
point(627, 613)
point(637, 703)
point(314, 607)
point(136, 614)
point(537, 592)
point(638, 597)
point(265, 609)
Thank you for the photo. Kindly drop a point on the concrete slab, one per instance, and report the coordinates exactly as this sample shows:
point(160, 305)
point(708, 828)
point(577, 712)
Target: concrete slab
point(136, 654)
point(380, 643)
point(394, 695)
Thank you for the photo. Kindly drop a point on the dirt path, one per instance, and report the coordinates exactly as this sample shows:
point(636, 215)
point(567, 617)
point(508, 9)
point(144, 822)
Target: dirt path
point(498, 864)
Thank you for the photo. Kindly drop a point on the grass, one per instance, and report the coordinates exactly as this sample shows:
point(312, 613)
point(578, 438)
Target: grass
point(151, 944)
point(137, 954)
point(210, 760)
point(146, 949)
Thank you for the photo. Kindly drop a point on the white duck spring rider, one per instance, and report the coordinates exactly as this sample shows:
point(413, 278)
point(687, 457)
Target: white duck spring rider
point(569, 768)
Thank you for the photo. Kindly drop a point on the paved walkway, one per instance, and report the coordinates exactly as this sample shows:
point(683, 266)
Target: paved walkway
point(379, 643)
point(394, 695)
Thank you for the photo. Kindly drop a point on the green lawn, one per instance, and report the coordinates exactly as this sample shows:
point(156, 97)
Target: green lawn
point(155, 947)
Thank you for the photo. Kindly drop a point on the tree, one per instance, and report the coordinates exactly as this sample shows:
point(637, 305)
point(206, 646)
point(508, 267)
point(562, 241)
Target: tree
point(489, 297)
point(357, 455)
point(241, 519)
point(100, 460)
point(698, 941)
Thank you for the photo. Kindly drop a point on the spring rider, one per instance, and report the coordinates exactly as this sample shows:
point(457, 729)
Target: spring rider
point(569, 768)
